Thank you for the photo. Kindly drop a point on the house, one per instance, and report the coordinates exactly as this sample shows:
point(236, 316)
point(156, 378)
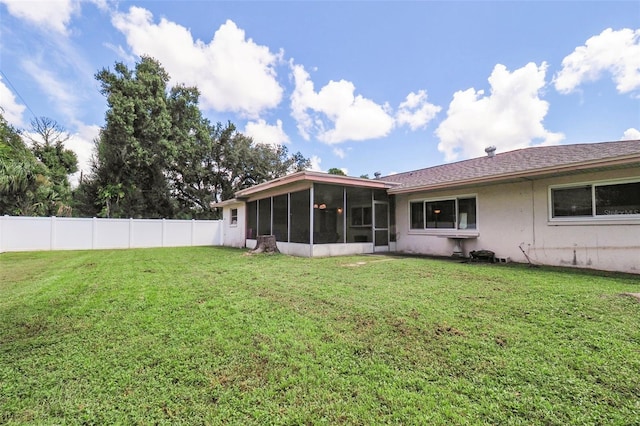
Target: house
point(574, 205)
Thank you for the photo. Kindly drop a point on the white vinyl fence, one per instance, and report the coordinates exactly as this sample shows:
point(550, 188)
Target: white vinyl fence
point(19, 233)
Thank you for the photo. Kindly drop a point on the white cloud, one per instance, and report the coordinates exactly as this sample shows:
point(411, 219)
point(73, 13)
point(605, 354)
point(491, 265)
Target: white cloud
point(264, 133)
point(64, 78)
point(62, 94)
point(510, 117)
point(415, 111)
point(631, 134)
point(102, 4)
point(81, 142)
point(339, 152)
point(617, 52)
point(122, 53)
point(53, 15)
point(11, 109)
point(315, 163)
point(334, 114)
point(232, 73)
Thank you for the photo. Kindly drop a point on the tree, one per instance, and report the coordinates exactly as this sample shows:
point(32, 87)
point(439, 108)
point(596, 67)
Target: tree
point(336, 171)
point(242, 163)
point(134, 148)
point(47, 144)
point(25, 189)
point(213, 166)
point(157, 156)
point(191, 173)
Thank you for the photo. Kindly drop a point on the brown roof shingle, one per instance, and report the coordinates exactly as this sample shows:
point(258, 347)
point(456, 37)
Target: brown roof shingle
point(535, 161)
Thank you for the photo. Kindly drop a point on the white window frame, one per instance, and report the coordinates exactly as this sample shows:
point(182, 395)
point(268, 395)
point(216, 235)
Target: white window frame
point(231, 222)
point(596, 219)
point(444, 231)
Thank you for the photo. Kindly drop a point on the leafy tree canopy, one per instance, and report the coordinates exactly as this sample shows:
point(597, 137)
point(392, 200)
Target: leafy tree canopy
point(47, 143)
point(336, 171)
point(157, 156)
point(25, 189)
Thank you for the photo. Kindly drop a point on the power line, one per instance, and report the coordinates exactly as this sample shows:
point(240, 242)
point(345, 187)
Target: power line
point(17, 93)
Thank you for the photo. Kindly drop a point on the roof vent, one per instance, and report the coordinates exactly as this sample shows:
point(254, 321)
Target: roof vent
point(491, 151)
point(377, 175)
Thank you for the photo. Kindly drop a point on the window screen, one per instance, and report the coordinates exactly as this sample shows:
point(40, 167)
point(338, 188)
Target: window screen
point(619, 199)
point(569, 202)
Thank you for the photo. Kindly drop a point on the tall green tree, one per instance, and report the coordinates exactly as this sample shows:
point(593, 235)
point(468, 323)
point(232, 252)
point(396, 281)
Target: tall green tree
point(213, 161)
point(134, 147)
point(47, 144)
point(190, 173)
point(25, 189)
point(213, 165)
point(157, 156)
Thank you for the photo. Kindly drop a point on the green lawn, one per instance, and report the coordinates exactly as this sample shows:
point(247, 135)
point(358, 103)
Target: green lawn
point(212, 336)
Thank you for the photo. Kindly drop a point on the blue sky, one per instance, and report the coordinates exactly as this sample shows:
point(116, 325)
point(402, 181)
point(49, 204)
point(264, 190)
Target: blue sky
point(363, 86)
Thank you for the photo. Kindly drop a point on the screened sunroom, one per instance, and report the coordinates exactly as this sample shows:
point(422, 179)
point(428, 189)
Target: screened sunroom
point(317, 214)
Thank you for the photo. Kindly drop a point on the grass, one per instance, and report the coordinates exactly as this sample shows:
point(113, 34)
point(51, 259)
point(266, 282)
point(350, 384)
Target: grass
point(210, 336)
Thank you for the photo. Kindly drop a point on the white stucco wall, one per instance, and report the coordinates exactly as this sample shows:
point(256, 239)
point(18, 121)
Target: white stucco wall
point(234, 233)
point(318, 250)
point(324, 250)
point(517, 214)
point(612, 244)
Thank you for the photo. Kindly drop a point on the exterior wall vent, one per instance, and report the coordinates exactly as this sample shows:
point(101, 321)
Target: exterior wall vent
point(491, 151)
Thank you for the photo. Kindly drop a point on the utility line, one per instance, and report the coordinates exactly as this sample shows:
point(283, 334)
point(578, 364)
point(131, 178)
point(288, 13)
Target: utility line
point(18, 93)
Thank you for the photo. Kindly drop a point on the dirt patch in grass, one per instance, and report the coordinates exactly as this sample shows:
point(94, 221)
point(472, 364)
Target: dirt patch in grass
point(444, 329)
point(362, 263)
point(634, 295)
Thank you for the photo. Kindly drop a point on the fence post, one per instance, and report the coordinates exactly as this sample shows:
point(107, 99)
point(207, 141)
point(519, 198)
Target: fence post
point(2, 220)
point(130, 231)
point(193, 230)
point(94, 233)
point(163, 230)
point(52, 235)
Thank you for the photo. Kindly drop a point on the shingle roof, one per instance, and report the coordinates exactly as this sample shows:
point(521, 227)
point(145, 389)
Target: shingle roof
point(535, 161)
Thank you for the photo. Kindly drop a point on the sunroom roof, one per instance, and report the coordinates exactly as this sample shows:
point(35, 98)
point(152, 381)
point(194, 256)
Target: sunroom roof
point(316, 177)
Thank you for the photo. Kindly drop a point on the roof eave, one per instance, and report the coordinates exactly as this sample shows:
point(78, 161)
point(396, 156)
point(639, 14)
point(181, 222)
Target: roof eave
point(529, 174)
point(225, 203)
point(316, 177)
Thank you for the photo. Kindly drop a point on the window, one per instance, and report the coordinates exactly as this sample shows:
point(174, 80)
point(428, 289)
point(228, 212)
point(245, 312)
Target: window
point(417, 215)
point(467, 213)
point(441, 214)
point(300, 217)
point(360, 216)
point(572, 201)
point(457, 213)
point(234, 217)
point(328, 214)
point(281, 217)
point(601, 200)
point(619, 199)
point(264, 216)
point(252, 220)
